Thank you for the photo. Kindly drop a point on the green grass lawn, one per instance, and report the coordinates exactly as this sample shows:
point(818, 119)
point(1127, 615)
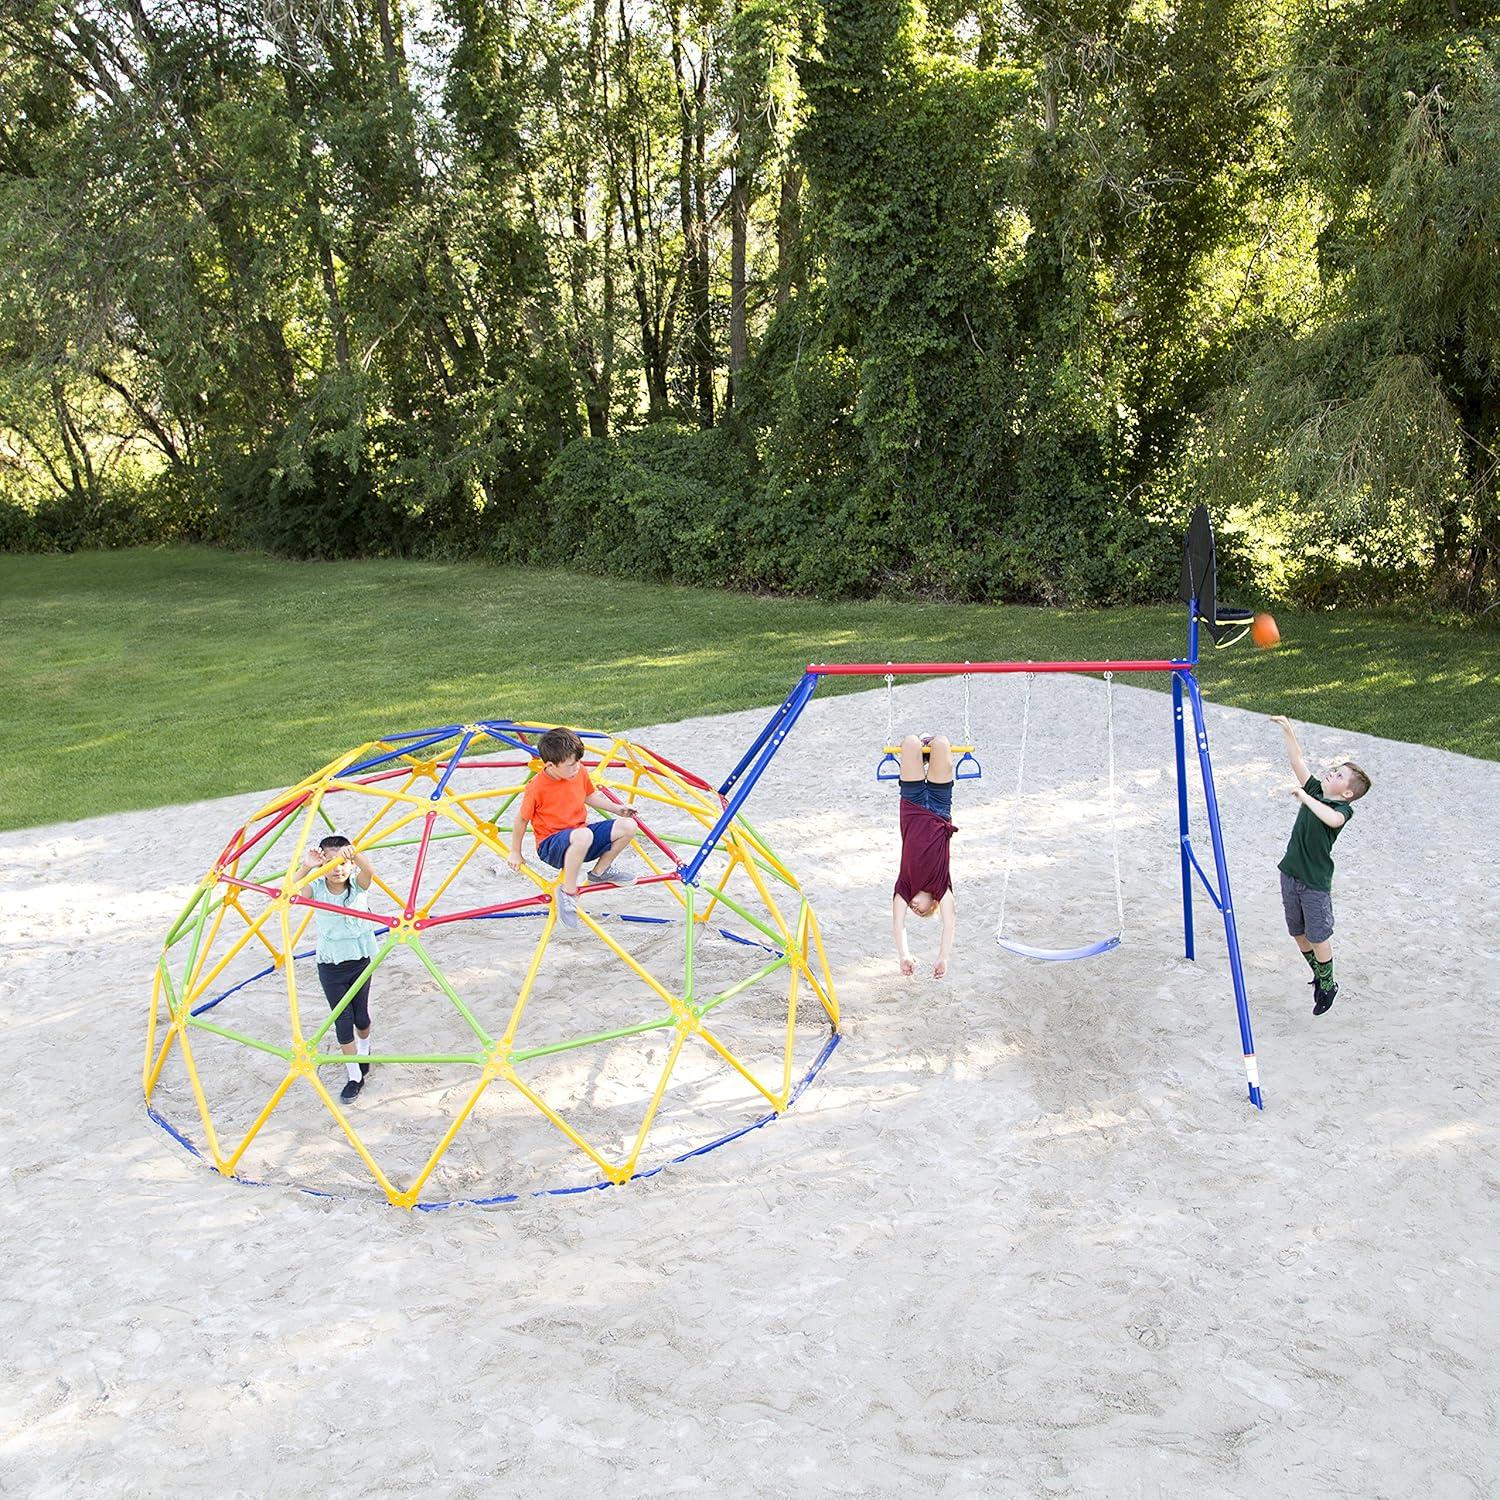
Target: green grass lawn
point(139, 678)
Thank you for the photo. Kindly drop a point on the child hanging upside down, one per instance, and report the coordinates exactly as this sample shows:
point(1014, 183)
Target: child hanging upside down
point(923, 884)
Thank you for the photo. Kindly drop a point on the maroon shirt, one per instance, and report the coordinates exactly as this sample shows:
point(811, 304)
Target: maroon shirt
point(924, 853)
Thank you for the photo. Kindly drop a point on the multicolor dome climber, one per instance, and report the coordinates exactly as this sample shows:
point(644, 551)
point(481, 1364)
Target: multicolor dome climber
point(676, 1011)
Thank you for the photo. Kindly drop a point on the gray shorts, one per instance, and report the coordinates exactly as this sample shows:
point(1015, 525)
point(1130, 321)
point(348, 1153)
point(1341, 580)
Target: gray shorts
point(1309, 913)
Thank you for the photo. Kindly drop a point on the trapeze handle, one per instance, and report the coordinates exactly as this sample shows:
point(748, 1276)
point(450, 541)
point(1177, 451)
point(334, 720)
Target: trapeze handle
point(975, 771)
point(894, 774)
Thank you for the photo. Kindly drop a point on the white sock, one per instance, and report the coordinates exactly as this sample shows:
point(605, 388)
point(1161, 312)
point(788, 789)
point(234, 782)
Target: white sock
point(354, 1074)
point(362, 1046)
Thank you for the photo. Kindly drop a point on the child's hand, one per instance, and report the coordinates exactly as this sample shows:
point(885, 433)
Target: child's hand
point(1281, 720)
point(514, 861)
point(908, 967)
point(940, 968)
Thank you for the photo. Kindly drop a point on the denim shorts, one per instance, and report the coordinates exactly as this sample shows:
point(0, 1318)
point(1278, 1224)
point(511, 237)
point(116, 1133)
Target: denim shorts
point(935, 796)
point(554, 847)
point(1309, 913)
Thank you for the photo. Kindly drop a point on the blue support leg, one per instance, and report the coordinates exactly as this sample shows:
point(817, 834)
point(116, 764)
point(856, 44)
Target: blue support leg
point(778, 729)
point(1182, 817)
point(1221, 866)
point(761, 738)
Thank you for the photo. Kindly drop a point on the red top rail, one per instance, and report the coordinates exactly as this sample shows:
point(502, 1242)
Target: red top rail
point(944, 668)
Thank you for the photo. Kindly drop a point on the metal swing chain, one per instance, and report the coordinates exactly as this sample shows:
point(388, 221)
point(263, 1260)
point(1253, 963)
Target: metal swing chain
point(968, 733)
point(1010, 841)
point(1114, 822)
point(890, 708)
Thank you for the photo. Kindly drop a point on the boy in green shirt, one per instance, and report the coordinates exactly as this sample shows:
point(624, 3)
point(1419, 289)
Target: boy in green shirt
point(1307, 866)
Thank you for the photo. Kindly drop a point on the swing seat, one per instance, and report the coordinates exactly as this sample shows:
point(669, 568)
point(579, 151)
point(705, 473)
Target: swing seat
point(1090, 950)
point(966, 765)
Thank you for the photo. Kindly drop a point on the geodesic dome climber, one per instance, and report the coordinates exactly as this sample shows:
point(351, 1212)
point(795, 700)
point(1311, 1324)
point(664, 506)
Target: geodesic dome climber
point(502, 1044)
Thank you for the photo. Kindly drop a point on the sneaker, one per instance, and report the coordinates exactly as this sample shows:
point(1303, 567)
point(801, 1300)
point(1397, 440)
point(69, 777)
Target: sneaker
point(624, 871)
point(567, 910)
point(351, 1089)
point(1323, 999)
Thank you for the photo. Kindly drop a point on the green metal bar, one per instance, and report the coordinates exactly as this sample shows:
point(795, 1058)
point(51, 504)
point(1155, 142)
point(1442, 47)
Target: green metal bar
point(415, 945)
point(326, 1059)
point(271, 843)
point(665, 1024)
point(335, 1011)
point(180, 925)
point(171, 989)
point(284, 1053)
point(755, 833)
point(458, 833)
point(743, 984)
point(187, 971)
point(739, 910)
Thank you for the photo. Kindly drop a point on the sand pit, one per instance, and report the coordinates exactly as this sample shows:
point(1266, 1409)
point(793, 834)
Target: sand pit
point(1024, 1235)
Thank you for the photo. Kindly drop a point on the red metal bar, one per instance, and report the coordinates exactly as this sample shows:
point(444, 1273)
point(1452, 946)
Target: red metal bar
point(957, 668)
point(230, 855)
point(275, 890)
point(687, 776)
point(416, 879)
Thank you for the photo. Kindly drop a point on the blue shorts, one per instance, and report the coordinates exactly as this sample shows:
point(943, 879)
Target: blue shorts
point(555, 846)
point(935, 796)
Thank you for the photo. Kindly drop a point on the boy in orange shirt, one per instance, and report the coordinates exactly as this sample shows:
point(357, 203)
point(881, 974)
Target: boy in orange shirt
point(553, 805)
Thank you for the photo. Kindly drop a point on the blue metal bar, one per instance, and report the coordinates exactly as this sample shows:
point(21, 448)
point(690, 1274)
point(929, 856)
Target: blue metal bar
point(1182, 815)
point(1208, 885)
point(779, 728)
point(453, 761)
point(761, 738)
point(435, 736)
point(1221, 865)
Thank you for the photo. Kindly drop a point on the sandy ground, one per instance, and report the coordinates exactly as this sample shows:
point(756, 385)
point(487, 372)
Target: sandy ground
point(1024, 1236)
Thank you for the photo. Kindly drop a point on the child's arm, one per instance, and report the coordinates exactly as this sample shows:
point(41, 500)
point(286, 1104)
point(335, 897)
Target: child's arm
point(898, 932)
point(364, 871)
point(600, 802)
point(513, 859)
point(1293, 749)
point(1320, 810)
point(949, 915)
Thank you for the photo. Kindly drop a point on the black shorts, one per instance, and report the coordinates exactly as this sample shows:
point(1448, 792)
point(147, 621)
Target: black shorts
point(336, 979)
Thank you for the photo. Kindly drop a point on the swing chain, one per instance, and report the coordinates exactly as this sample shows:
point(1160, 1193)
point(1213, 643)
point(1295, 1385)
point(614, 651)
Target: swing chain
point(890, 708)
point(968, 733)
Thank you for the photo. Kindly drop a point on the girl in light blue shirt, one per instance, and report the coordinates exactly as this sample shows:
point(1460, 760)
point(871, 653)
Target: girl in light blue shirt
point(345, 945)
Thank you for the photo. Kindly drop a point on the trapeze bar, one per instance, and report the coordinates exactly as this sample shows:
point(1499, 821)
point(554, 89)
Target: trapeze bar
point(952, 668)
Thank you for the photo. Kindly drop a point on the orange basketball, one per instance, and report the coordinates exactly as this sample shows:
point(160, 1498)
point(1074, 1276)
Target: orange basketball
point(1263, 631)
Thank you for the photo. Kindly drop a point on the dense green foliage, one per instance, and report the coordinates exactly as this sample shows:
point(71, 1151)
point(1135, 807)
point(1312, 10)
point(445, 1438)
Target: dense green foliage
point(852, 297)
point(133, 675)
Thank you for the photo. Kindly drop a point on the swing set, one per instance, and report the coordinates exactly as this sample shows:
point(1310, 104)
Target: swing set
point(1223, 624)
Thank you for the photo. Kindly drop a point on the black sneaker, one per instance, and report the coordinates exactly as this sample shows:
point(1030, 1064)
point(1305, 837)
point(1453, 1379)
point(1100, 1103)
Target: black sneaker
point(351, 1089)
point(1323, 999)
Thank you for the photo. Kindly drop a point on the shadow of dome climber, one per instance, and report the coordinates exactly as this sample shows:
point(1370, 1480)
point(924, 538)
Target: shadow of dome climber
point(503, 1045)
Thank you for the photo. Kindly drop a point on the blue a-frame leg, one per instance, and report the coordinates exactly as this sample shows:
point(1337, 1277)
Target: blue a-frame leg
point(1185, 682)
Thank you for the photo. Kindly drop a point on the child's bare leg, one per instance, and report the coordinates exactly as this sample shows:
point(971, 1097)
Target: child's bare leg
point(913, 768)
point(578, 847)
point(940, 763)
point(1323, 952)
point(621, 831)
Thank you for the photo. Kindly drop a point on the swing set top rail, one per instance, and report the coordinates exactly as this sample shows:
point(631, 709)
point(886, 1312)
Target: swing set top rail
point(949, 668)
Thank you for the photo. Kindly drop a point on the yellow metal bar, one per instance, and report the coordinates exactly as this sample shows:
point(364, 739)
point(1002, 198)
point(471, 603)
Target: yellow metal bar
point(223, 963)
point(630, 963)
point(409, 1196)
point(261, 1119)
point(628, 1165)
point(739, 1067)
point(211, 1137)
point(548, 923)
point(390, 1191)
point(561, 1124)
point(825, 991)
